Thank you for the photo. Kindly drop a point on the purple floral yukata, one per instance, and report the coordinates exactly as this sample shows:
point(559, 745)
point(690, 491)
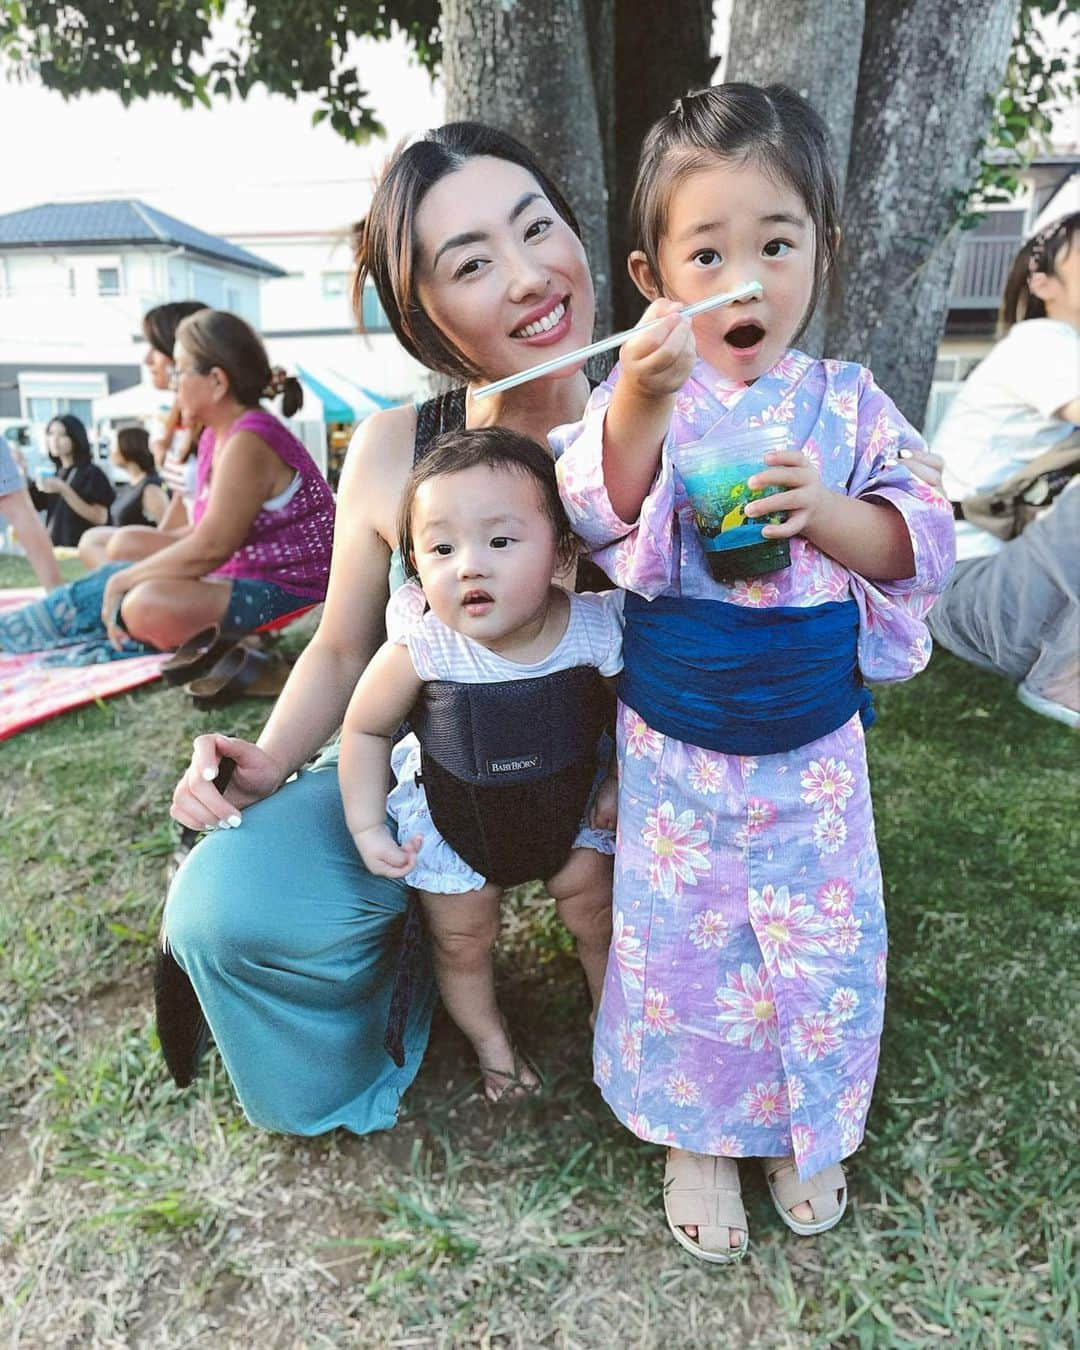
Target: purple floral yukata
point(745, 988)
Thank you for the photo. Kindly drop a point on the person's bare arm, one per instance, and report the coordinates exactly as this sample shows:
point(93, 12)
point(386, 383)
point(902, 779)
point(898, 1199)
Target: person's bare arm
point(155, 504)
point(1069, 412)
point(653, 367)
point(311, 706)
point(94, 512)
point(381, 701)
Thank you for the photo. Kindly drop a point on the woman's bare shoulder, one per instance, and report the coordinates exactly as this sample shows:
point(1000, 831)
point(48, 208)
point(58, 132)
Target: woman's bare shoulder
point(377, 463)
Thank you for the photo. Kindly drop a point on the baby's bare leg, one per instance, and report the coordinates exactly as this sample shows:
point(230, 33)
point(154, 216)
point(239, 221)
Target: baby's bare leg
point(463, 931)
point(581, 890)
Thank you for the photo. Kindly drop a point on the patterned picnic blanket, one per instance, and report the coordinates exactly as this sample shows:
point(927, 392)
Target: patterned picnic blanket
point(32, 691)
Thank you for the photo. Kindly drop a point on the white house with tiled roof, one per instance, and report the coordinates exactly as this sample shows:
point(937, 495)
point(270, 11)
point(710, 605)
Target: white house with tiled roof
point(75, 281)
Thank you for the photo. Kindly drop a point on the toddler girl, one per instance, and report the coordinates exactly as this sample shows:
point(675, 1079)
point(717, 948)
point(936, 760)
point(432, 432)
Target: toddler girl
point(743, 1000)
point(501, 679)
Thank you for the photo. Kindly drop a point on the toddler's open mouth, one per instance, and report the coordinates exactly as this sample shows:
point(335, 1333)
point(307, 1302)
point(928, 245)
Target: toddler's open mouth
point(745, 335)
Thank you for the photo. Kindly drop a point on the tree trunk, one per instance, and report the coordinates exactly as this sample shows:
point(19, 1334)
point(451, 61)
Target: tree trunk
point(927, 78)
point(661, 52)
point(814, 51)
point(523, 65)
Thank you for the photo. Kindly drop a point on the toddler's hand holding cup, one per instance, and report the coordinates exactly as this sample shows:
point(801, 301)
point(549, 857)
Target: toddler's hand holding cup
point(715, 473)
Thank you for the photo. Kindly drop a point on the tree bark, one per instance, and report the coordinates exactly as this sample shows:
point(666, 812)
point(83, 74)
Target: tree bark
point(661, 52)
point(927, 78)
point(814, 51)
point(523, 65)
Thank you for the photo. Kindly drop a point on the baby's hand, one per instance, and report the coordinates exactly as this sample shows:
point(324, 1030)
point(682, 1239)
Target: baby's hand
point(383, 856)
point(657, 363)
point(604, 811)
point(802, 499)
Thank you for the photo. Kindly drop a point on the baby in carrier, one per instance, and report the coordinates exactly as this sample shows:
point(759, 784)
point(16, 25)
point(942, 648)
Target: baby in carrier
point(500, 673)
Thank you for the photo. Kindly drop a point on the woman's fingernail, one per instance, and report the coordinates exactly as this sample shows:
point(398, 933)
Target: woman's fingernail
point(234, 820)
point(903, 454)
point(209, 774)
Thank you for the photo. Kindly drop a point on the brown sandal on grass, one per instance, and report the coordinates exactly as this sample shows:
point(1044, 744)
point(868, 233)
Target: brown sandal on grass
point(704, 1191)
point(243, 672)
point(825, 1192)
point(514, 1084)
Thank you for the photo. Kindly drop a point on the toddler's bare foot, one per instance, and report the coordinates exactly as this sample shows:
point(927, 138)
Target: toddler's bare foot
point(505, 1073)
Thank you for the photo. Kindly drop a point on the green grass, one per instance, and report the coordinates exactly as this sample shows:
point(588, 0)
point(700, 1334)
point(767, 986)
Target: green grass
point(134, 1214)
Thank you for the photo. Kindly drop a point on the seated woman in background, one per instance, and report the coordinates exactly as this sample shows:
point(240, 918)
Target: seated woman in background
point(1012, 604)
point(142, 501)
point(79, 494)
point(174, 450)
point(259, 546)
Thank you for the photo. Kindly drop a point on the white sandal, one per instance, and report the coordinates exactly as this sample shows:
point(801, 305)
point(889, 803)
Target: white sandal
point(825, 1192)
point(704, 1191)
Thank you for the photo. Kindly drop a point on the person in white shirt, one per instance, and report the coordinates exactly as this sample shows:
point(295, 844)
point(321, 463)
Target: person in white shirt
point(1012, 605)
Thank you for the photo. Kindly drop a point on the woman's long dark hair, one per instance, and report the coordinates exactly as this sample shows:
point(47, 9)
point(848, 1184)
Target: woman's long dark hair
point(76, 433)
point(1039, 254)
point(159, 324)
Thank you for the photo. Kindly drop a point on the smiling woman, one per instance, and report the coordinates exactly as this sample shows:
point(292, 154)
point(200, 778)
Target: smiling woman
point(477, 262)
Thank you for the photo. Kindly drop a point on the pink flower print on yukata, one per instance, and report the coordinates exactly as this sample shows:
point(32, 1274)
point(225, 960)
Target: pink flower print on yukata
point(835, 896)
point(707, 773)
point(643, 1127)
point(765, 1103)
point(796, 1091)
point(674, 842)
point(853, 1102)
point(830, 832)
point(641, 741)
point(815, 1036)
point(879, 970)
point(628, 951)
point(603, 1066)
point(659, 1015)
point(846, 934)
point(844, 1003)
point(803, 1140)
point(726, 1146)
point(760, 814)
point(630, 1045)
point(747, 1008)
point(827, 784)
point(681, 1090)
point(755, 593)
point(709, 929)
point(790, 931)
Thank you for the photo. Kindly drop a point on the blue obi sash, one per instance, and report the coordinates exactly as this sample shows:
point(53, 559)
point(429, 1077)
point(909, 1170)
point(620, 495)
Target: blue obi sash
point(738, 680)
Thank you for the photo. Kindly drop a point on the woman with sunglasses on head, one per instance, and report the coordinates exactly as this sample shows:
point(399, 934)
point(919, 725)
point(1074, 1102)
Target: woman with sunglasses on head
point(478, 263)
point(1013, 605)
point(259, 545)
point(174, 449)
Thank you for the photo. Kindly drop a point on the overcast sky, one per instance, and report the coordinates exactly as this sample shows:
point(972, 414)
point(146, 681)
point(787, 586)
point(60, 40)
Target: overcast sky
point(226, 169)
point(243, 166)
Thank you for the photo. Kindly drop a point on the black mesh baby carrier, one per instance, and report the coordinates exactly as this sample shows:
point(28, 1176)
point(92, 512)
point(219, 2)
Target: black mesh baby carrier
point(507, 767)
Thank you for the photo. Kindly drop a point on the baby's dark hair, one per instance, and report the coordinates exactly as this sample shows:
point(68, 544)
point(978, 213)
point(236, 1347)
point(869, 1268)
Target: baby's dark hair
point(494, 448)
point(1041, 253)
point(772, 125)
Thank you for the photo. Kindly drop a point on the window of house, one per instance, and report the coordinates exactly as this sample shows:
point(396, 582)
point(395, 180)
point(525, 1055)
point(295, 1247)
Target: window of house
point(108, 281)
point(335, 284)
point(374, 316)
point(45, 409)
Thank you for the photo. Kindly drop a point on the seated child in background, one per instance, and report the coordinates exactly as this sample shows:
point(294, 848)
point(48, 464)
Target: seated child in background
point(501, 678)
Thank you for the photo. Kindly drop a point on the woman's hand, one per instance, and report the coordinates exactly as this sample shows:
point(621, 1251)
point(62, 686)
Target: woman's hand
point(112, 599)
point(924, 464)
point(802, 497)
point(382, 854)
point(657, 363)
point(196, 801)
point(52, 486)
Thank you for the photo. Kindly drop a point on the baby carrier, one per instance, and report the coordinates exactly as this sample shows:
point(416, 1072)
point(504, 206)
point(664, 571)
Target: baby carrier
point(507, 767)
